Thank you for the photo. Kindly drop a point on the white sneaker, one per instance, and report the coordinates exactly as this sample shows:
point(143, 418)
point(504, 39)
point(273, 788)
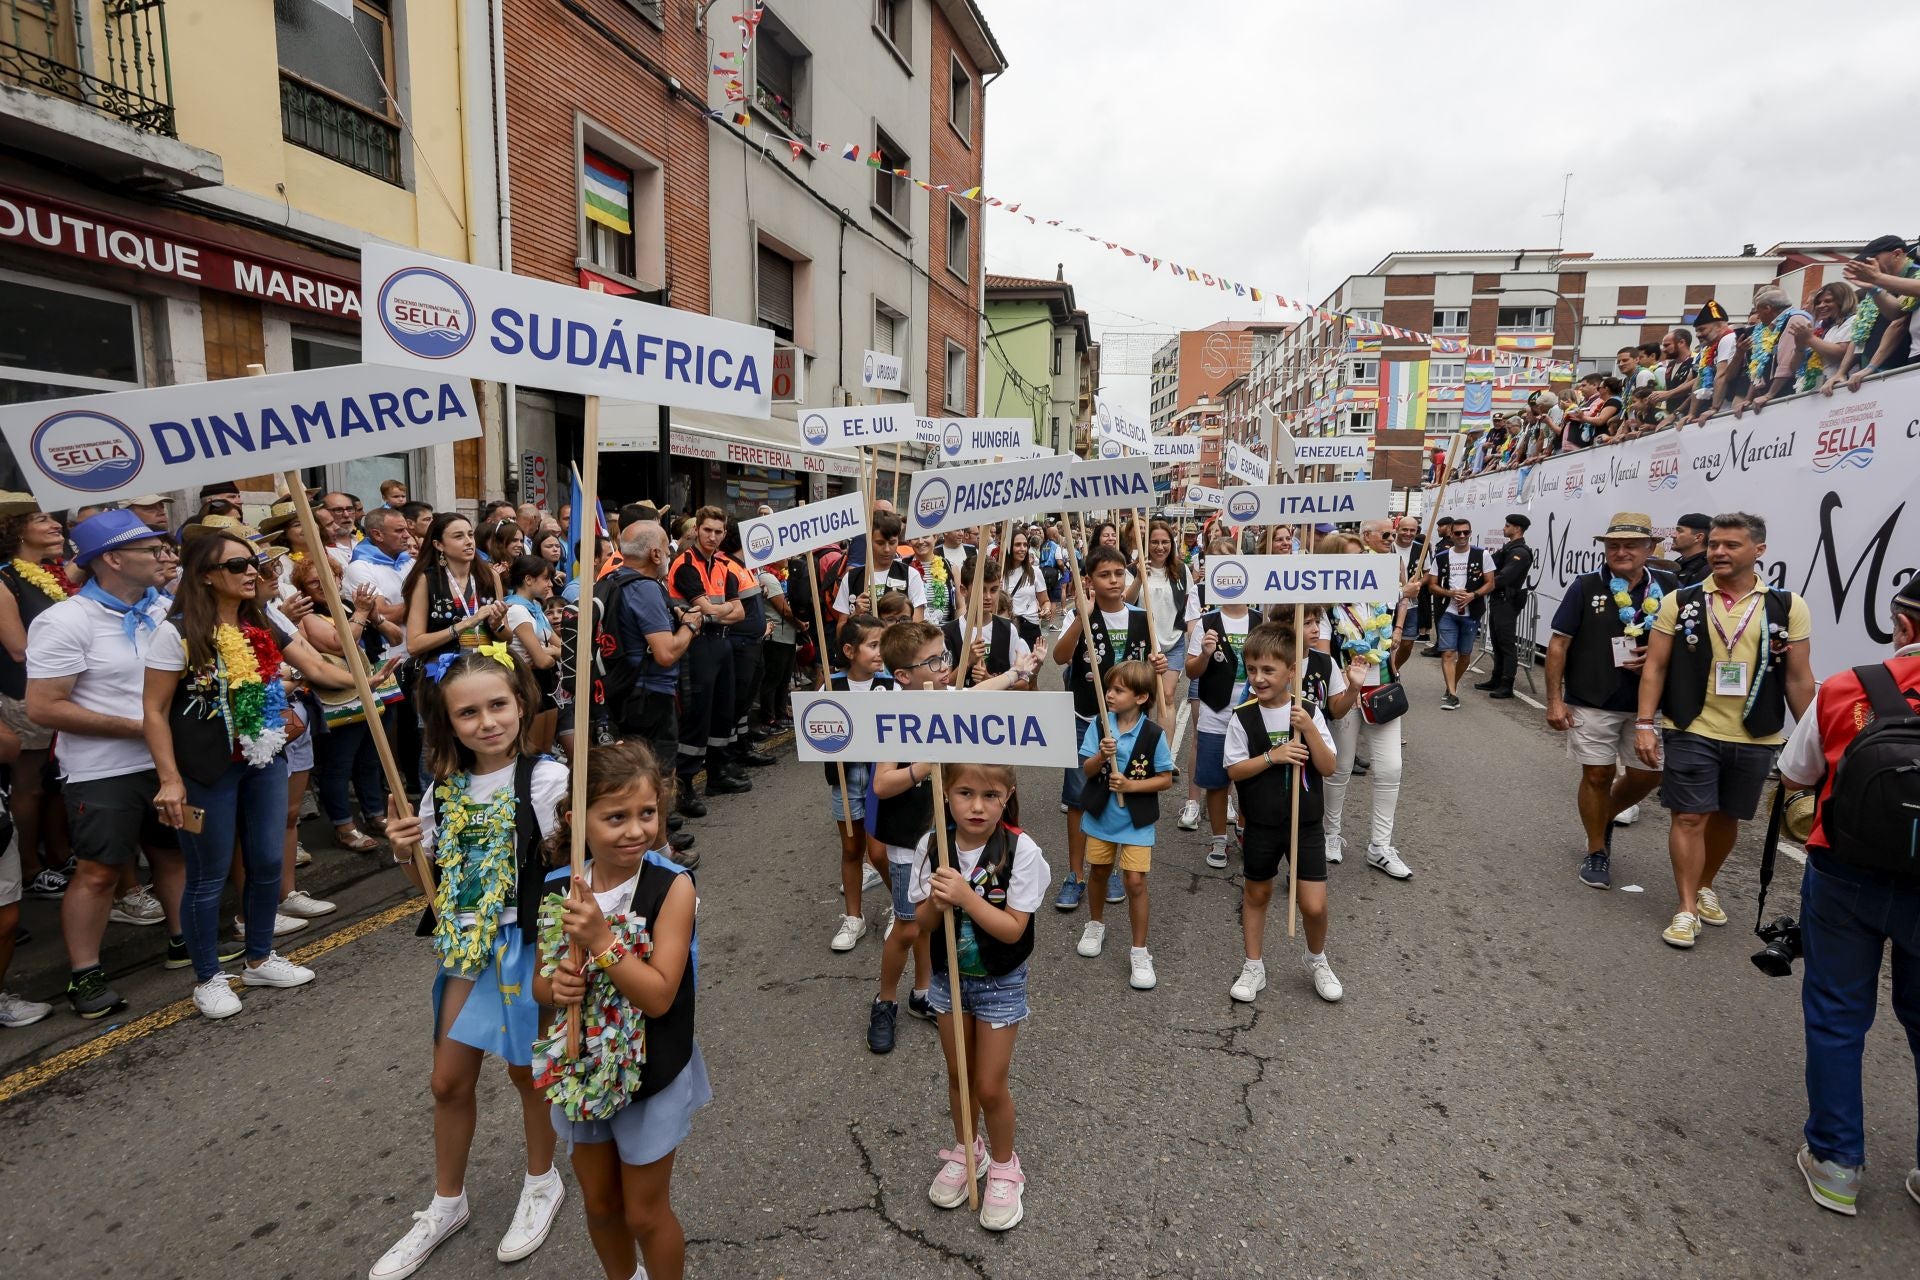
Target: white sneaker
point(1336, 850)
point(1092, 938)
point(415, 1247)
point(275, 971)
point(18, 1011)
point(139, 907)
point(1233, 810)
point(539, 1205)
point(1251, 982)
point(1217, 854)
point(303, 905)
point(1190, 816)
point(1142, 978)
point(301, 857)
point(1385, 857)
point(283, 924)
point(215, 999)
point(1628, 816)
point(870, 878)
point(851, 930)
point(1325, 985)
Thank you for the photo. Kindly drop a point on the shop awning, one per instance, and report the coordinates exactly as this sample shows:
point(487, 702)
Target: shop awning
point(773, 443)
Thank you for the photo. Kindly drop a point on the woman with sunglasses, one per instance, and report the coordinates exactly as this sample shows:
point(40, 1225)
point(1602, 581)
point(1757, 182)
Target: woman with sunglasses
point(31, 546)
point(216, 724)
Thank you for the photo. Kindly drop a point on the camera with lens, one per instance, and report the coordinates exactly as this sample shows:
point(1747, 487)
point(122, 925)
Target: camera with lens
point(1780, 937)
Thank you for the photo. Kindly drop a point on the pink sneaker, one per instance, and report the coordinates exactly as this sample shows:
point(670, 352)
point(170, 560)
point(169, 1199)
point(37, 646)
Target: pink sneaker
point(949, 1189)
point(1000, 1208)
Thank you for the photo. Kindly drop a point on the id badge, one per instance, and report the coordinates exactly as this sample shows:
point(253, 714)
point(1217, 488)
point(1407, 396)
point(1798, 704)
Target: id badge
point(1625, 650)
point(1730, 679)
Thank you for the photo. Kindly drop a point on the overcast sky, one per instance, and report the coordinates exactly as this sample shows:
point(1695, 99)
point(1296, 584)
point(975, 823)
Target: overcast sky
point(1290, 144)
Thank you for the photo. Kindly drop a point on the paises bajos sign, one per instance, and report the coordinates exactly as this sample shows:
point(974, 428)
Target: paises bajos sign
point(985, 494)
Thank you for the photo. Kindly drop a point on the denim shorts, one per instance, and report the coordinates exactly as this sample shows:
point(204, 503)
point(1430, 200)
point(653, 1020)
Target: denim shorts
point(1209, 761)
point(300, 753)
point(1458, 632)
point(902, 875)
point(998, 1002)
point(1176, 651)
point(856, 794)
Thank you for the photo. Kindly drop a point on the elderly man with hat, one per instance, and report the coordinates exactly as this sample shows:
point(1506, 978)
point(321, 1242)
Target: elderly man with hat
point(1713, 365)
point(1512, 568)
point(1599, 645)
point(153, 508)
point(86, 675)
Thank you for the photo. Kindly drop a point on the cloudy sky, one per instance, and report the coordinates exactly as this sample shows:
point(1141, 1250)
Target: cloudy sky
point(1291, 144)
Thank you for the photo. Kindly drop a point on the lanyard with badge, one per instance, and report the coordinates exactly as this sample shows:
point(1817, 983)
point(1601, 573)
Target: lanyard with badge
point(1730, 677)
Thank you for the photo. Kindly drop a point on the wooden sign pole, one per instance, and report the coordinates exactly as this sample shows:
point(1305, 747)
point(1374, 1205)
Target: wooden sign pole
point(583, 677)
point(1146, 604)
point(1086, 628)
point(820, 643)
point(953, 987)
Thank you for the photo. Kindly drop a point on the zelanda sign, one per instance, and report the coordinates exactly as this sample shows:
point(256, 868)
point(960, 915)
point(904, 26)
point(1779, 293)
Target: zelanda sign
point(1111, 422)
point(1107, 484)
point(99, 448)
point(1308, 579)
point(786, 534)
point(1171, 449)
point(452, 317)
point(937, 726)
point(956, 497)
point(882, 372)
point(855, 425)
point(1309, 503)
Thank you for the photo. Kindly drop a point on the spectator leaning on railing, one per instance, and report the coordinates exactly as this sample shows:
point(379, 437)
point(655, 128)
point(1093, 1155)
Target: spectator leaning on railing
point(1777, 350)
point(1885, 274)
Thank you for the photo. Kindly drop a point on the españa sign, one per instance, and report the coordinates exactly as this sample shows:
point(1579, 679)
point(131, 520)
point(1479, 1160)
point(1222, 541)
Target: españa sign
point(938, 726)
point(1344, 579)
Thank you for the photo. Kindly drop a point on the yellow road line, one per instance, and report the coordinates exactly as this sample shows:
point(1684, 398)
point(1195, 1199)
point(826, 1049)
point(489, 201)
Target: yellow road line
point(40, 1073)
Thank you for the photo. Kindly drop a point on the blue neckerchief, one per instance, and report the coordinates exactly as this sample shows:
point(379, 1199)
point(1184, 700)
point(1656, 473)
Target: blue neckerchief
point(134, 618)
point(370, 554)
point(541, 627)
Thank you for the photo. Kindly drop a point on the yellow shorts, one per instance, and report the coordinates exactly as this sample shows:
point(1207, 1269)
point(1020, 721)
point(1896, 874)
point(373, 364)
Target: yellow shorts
point(1132, 857)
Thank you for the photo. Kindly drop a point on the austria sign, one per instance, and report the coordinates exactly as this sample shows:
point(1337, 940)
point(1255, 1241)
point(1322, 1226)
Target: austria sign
point(785, 534)
point(1111, 422)
point(1176, 449)
point(1317, 451)
point(1245, 465)
point(1309, 503)
point(985, 494)
point(855, 425)
point(98, 448)
point(937, 726)
point(1105, 484)
point(1345, 579)
point(423, 312)
point(882, 372)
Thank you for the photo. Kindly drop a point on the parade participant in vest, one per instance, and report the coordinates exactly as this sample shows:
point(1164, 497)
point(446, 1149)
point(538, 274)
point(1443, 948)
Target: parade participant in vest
point(1217, 668)
point(1855, 897)
point(884, 571)
point(452, 598)
point(1778, 349)
point(748, 640)
point(1728, 660)
point(32, 544)
point(1006, 648)
point(1125, 770)
point(1409, 543)
point(1459, 578)
point(1713, 363)
point(86, 670)
point(1689, 546)
point(702, 579)
point(1594, 662)
point(1512, 566)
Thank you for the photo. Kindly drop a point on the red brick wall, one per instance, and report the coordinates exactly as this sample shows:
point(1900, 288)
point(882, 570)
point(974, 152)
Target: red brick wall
point(557, 65)
point(951, 303)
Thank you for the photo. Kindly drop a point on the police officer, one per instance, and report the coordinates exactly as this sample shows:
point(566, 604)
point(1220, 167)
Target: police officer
point(1689, 544)
point(702, 579)
point(1512, 567)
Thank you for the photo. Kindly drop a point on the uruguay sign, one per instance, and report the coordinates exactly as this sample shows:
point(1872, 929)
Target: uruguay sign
point(1111, 422)
point(1176, 448)
point(1315, 450)
point(855, 425)
point(789, 533)
point(1245, 465)
point(1309, 503)
point(882, 372)
point(423, 312)
point(1348, 579)
point(984, 494)
point(1102, 484)
point(937, 726)
point(98, 448)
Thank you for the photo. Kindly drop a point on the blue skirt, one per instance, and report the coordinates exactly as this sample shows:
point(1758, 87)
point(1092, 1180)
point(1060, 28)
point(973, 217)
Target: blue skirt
point(500, 1016)
point(647, 1129)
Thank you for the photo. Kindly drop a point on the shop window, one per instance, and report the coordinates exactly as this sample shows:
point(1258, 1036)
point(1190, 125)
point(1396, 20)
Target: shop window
point(59, 340)
point(336, 84)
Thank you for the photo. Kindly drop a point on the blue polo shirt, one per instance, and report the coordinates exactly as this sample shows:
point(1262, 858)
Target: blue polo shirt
point(1114, 824)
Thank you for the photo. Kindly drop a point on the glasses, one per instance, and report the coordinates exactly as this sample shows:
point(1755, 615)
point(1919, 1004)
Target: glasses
point(339, 511)
point(159, 550)
point(220, 506)
point(238, 564)
point(936, 664)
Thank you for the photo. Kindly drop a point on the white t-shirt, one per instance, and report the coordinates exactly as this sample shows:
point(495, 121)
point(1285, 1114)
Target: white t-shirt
point(1456, 575)
point(1026, 885)
point(519, 615)
point(1167, 628)
point(341, 557)
point(1276, 719)
point(1025, 589)
point(771, 586)
point(618, 898)
point(83, 638)
point(548, 788)
point(956, 558)
point(384, 581)
point(882, 582)
point(1212, 721)
point(1723, 353)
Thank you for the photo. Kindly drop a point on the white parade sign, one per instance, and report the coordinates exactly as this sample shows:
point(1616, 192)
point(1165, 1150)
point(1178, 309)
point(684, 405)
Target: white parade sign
point(1176, 448)
point(1104, 484)
point(926, 431)
point(850, 426)
point(985, 494)
point(1245, 465)
point(1307, 579)
point(1200, 495)
point(1281, 438)
point(98, 448)
point(882, 372)
point(1317, 451)
point(785, 534)
point(1309, 503)
point(975, 439)
point(424, 312)
point(1111, 422)
point(937, 726)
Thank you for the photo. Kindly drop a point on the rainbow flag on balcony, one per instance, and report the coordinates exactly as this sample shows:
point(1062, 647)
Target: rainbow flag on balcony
point(607, 190)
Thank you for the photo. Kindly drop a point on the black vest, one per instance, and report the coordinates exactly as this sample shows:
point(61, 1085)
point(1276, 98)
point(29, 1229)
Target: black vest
point(1690, 667)
point(529, 846)
point(1266, 799)
point(444, 608)
point(32, 603)
point(838, 681)
point(1476, 574)
point(1080, 676)
point(1591, 677)
point(1222, 673)
point(999, 644)
point(1318, 684)
point(898, 579)
point(1143, 807)
point(996, 957)
point(901, 820)
point(201, 748)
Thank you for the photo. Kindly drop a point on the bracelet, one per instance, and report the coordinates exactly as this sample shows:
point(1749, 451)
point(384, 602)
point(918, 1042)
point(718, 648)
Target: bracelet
point(1646, 724)
point(612, 956)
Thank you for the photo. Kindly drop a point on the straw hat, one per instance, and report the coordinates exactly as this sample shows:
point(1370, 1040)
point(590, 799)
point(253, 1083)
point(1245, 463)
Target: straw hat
point(279, 516)
point(219, 524)
point(17, 504)
point(1627, 525)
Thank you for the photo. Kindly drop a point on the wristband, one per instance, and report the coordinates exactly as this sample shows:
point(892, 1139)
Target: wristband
point(1646, 724)
point(612, 956)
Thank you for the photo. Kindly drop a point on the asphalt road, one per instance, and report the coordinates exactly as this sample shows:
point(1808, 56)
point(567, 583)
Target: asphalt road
point(1522, 1081)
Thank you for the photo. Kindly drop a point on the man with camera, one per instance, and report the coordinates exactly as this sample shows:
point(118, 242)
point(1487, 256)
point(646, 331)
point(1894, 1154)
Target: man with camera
point(1860, 891)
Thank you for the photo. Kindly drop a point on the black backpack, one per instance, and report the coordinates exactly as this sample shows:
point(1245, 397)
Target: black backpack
point(614, 672)
point(1872, 813)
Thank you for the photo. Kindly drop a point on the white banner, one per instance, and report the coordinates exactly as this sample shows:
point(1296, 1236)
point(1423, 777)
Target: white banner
point(785, 534)
point(1833, 478)
point(1309, 503)
point(985, 494)
point(1107, 484)
point(926, 431)
point(854, 425)
point(974, 439)
point(1199, 495)
point(882, 372)
point(1307, 579)
point(1245, 465)
point(938, 726)
point(424, 312)
point(1176, 448)
point(1336, 450)
point(1111, 422)
point(98, 448)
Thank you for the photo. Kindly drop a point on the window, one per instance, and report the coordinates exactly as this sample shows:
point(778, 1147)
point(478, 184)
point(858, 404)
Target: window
point(782, 76)
point(955, 399)
point(959, 231)
point(893, 23)
point(1059, 355)
point(333, 84)
point(1442, 422)
point(59, 340)
point(886, 327)
point(1363, 373)
point(1365, 313)
point(891, 194)
point(1447, 371)
point(960, 101)
point(1450, 321)
point(1512, 319)
point(606, 200)
point(775, 292)
point(1360, 421)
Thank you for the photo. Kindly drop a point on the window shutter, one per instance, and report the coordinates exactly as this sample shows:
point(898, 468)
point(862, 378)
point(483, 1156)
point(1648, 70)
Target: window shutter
point(883, 333)
point(776, 289)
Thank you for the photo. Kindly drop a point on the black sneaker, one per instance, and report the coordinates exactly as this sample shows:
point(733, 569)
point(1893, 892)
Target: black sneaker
point(755, 759)
point(690, 804)
point(177, 956)
point(919, 1006)
point(91, 997)
point(727, 786)
point(1449, 702)
point(1595, 872)
point(880, 1025)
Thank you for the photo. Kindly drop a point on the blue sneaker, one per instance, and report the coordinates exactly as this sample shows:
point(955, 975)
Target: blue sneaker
point(919, 1005)
point(1596, 871)
point(1116, 887)
point(1071, 889)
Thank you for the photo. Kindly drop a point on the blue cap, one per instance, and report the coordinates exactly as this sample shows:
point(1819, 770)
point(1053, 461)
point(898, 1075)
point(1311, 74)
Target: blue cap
point(105, 531)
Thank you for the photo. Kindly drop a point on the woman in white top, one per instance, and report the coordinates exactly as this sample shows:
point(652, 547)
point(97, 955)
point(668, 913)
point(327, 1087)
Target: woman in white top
point(1025, 586)
point(1364, 635)
point(1174, 606)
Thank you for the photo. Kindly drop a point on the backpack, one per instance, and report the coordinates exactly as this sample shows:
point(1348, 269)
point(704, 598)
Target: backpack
point(615, 673)
point(1872, 813)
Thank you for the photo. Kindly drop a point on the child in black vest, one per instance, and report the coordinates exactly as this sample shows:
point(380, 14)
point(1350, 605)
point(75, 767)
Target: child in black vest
point(1269, 737)
point(1125, 774)
point(1005, 647)
point(997, 881)
point(859, 638)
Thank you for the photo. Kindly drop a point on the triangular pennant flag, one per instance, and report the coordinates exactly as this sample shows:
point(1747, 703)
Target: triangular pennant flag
point(824, 147)
point(852, 152)
point(971, 193)
point(796, 147)
point(1013, 208)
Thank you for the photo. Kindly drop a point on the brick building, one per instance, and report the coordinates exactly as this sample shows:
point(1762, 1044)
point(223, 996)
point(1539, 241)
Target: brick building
point(1196, 365)
point(963, 58)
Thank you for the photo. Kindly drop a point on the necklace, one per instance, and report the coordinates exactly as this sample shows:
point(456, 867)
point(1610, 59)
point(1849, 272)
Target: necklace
point(613, 1034)
point(51, 583)
point(1637, 618)
point(247, 665)
point(1369, 640)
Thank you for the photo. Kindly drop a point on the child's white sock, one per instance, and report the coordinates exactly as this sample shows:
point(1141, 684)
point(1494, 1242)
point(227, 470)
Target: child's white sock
point(1220, 841)
point(1315, 957)
point(1261, 965)
point(542, 1179)
point(444, 1205)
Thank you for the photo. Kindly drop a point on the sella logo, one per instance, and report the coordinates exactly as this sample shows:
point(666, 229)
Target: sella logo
point(1243, 506)
point(88, 451)
point(1109, 448)
point(1845, 446)
point(813, 428)
point(426, 312)
point(866, 370)
point(1663, 466)
point(760, 541)
point(934, 500)
point(1228, 579)
point(951, 437)
point(827, 726)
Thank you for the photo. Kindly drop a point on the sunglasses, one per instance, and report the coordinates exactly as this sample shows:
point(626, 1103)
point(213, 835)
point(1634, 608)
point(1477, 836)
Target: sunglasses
point(238, 564)
point(220, 506)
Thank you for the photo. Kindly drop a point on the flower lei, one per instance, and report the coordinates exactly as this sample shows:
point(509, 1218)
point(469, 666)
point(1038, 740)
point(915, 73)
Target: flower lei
point(938, 594)
point(247, 665)
point(613, 1034)
point(51, 583)
point(1636, 617)
point(1369, 641)
point(474, 849)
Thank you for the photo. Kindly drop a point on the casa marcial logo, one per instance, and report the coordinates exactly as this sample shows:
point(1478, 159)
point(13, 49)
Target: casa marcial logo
point(1243, 506)
point(951, 437)
point(426, 313)
point(866, 370)
point(1663, 466)
point(1849, 445)
point(828, 726)
point(88, 451)
point(1229, 580)
point(813, 429)
point(759, 541)
point(935, 497)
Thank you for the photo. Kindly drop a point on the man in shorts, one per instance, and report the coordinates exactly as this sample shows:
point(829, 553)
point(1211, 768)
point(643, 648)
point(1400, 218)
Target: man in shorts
point(1460, 582)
